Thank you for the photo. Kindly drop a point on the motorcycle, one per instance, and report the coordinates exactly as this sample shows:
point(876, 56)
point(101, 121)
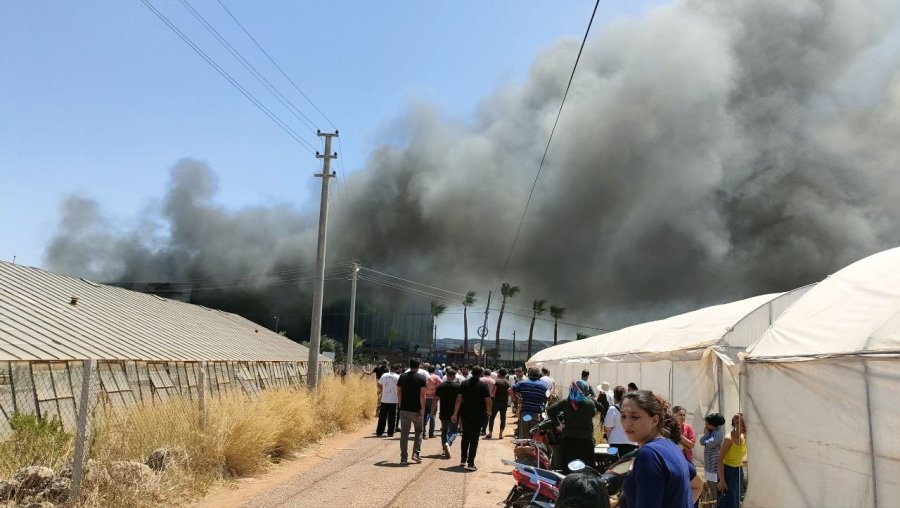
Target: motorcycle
point(538, 449)
point(534, 486)
point(613, 477)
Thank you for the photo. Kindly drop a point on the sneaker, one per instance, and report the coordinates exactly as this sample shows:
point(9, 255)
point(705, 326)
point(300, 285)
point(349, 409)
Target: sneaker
point(404, 463)
point(488, 436)
point(471, 467)
point(416, 458)
point(446, 451)
point(462, 464)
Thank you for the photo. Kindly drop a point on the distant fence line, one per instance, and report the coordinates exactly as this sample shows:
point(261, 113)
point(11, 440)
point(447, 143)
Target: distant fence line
point(50, 389)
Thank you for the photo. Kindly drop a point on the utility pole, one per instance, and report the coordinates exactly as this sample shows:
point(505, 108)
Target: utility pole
point(354, 267)
point(483, 330)
point(514, 347)
point(315, 335)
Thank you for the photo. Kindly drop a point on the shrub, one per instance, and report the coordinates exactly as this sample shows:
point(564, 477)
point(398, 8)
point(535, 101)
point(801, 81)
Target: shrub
point(34, 441)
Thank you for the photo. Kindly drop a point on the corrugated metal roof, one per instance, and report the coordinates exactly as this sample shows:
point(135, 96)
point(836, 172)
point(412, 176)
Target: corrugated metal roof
point(38, 321)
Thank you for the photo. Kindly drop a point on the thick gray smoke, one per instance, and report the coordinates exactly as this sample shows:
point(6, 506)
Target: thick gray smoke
point(708, 151)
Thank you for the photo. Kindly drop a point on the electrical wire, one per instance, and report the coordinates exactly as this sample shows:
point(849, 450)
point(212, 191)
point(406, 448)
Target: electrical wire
point(246, 93)
point(291, 81)
point(251, 69)
point(546, 149)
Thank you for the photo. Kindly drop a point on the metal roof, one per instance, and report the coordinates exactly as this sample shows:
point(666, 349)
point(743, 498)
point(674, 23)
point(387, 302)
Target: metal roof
point(41, 320)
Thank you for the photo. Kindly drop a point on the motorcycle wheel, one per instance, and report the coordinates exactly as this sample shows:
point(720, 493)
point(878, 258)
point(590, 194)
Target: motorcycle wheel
point(518, 498)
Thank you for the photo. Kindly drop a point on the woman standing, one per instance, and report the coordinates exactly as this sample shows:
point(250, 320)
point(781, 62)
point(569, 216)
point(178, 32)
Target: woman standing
point(731, 458)
point(688, 436)
point(659, 477)
point(578, 432)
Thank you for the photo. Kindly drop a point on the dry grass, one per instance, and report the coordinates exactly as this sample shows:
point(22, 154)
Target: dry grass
point(31, 442)
point(241, 437)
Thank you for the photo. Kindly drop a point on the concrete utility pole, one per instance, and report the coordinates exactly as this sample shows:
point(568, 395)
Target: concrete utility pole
point(315, 334)
point(483, 331)
point(354, 267)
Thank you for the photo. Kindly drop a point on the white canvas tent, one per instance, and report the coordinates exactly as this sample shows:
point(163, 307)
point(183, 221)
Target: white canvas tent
point(821, 403)
point(689, 358)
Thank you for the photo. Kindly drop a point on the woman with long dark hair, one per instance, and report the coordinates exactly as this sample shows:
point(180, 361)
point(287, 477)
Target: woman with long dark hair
point(659, 477)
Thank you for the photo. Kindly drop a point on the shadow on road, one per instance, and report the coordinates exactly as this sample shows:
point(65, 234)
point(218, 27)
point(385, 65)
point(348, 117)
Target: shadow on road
point(384, 463)
point(456, 469)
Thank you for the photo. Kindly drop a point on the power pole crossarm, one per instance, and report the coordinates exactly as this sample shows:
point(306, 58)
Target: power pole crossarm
point(315, 335)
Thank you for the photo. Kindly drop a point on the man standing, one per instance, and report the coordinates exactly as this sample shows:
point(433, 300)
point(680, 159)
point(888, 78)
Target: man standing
point(464, 372)
point(388, 410)
point(501, 402)
point(552, 394)
point(473, 405)
point(379, 371)
point(445, 395)
point(585, 374)
point(431, 384)
point(516, 377)
point(411, 393)
point(491, 384)
point(532, 395)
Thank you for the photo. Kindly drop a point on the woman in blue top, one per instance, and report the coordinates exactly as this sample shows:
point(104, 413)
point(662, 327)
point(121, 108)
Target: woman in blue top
point(660, 475)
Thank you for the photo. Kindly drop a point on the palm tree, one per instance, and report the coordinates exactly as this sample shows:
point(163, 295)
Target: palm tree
point(508, 292)
point(470, 299)
point(436, 310)
point(556, 313)
point(536, 308)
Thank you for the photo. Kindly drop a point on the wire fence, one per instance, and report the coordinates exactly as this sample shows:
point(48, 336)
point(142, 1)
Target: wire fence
point(52, 410)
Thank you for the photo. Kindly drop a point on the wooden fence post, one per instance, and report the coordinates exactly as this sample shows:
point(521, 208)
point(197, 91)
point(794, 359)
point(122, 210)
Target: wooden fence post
point(81, 433)
point(201, 387)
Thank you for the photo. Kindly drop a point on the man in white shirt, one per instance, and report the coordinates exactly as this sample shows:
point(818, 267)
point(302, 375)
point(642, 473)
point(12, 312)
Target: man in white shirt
point(552, 394)
point(388, 413)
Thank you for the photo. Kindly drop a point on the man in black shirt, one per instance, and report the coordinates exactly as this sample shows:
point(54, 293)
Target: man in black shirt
point(473, 405)
point(411, 394)
point(446, 396)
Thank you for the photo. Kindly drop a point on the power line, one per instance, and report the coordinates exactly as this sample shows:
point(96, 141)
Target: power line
point(250, 68)
point(412, 281)
point(335, 267)
point(246, 93)
point(278, 67)
point(546, 149)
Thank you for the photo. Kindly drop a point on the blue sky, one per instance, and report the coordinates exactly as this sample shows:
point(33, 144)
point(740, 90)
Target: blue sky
point(100, 98)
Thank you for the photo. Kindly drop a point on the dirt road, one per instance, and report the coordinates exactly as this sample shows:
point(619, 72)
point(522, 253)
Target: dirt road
point(362, 470)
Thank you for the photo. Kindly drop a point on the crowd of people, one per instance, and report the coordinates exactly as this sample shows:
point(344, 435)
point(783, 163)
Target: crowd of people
point(468, 400)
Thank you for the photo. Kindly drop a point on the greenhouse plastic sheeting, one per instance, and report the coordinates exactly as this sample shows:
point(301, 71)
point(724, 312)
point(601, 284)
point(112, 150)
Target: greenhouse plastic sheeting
point(822, 386)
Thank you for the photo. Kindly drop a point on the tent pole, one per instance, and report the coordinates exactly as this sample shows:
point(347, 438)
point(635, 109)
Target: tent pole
point(871, 433)
point(719, 382)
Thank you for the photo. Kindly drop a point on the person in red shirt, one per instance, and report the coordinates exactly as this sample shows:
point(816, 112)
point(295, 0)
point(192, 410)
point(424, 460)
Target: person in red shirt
point(688, 436)
point(431, 384)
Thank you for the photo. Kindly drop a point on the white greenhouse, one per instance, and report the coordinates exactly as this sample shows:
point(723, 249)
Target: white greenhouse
point(692, 359)
point(823, 419)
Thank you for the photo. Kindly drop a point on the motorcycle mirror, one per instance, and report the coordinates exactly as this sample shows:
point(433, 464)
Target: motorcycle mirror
point(527, 418)
point(576, 465)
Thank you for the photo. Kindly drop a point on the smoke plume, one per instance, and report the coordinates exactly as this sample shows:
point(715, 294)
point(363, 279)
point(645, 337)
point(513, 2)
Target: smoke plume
point(710, 150)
